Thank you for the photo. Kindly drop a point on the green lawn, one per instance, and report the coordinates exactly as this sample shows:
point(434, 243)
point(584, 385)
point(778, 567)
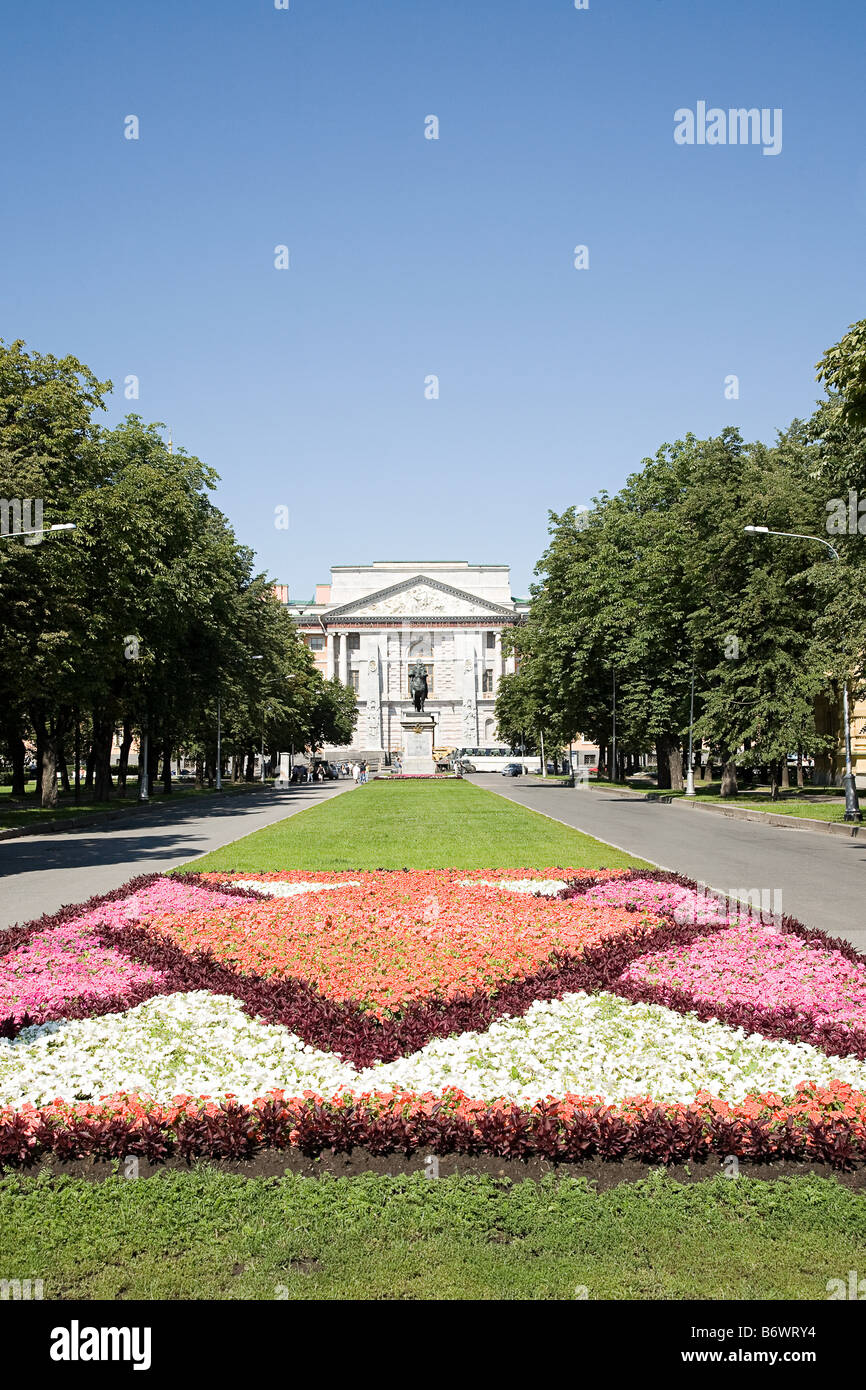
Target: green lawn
point(200, 1234)
point(797, 801)
point(417, 825)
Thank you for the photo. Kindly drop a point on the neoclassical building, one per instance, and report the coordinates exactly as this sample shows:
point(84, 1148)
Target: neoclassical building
point(372, 622)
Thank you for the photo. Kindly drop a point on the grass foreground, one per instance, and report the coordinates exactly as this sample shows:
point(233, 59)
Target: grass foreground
point(417, 825)
point(208, 1235)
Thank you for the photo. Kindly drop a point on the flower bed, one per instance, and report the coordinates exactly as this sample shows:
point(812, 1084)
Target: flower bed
point(557, 1012)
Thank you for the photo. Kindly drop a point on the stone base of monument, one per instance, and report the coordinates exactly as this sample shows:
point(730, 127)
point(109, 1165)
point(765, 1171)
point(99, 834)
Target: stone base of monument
point(417, 730)
point(285, 774)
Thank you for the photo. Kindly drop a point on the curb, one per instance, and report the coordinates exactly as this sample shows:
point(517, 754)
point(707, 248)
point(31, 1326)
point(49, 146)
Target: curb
point(828, 827)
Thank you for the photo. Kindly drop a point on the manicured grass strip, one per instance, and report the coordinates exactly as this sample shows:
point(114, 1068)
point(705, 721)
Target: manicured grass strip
point(422, 825)
point(802, 802)
point(204, 1234)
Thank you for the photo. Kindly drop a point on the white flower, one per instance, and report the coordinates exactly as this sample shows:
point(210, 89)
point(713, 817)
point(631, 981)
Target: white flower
point(205, 1044)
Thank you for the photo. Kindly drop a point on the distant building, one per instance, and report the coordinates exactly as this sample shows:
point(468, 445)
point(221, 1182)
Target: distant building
point(372, 622)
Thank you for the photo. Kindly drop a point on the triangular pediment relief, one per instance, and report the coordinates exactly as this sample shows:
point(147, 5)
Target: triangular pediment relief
point(419, 597)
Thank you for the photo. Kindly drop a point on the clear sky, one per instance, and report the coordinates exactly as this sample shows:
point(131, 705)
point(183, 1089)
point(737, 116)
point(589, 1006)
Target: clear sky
point(411, 257)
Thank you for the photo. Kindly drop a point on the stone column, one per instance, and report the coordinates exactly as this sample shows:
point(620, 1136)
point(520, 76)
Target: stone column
point(470, 705)
point(330, 638)
point(371, 678)
point(344, 658)
point(497, 659)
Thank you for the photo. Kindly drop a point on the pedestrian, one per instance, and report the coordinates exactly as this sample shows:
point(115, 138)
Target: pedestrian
point(356, 773)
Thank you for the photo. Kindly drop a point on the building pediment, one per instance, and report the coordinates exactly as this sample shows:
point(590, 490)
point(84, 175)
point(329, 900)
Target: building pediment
point(419, 597)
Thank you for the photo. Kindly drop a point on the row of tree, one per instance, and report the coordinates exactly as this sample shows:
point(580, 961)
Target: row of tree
point(149, 616)
point(659, 585)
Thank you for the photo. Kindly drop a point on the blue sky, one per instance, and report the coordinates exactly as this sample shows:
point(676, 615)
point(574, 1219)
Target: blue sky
point(412, 257)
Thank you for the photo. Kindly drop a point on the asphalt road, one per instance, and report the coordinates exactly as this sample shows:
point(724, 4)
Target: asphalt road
point(42, 873)
point(821, 877)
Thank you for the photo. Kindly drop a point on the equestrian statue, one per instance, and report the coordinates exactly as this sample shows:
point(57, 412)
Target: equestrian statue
point(418, 685)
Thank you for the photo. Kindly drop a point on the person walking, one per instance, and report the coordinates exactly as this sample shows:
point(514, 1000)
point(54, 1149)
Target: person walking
point(356, 773)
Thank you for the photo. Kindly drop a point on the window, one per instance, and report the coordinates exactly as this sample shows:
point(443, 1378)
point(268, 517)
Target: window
point(355, 680)
point(353, 641)
point(487, 681)
point(317, 641)
point(491, 641)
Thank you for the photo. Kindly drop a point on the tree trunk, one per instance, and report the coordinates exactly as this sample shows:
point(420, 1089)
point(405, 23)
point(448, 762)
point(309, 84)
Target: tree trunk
point(800, 782)
point(152, 763)
point(675, 761)
point(63, 769)
point(669, 757)
point(237, 768)
point(123, 764)
point(103, 734)
point(199, 770)
point(663, 767)
point(40, 741)
point(17, 755)
point(89, 765)
point(249, 775)
point(49, 771)
point(166, 769)
point(786, 776)
point(729, 775)
point(774, 779)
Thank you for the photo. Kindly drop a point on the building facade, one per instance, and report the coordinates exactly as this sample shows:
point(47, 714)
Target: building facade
point(373, 622)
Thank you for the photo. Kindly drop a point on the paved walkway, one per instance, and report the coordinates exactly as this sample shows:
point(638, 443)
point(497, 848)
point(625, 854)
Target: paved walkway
point(41, 873)
point(822, 877)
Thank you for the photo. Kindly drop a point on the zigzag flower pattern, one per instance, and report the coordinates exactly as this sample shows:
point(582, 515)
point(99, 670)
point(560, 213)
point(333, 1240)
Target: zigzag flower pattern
point(553, 1012)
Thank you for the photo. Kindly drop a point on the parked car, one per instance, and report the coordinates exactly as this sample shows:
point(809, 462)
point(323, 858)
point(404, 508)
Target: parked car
point(512, 770)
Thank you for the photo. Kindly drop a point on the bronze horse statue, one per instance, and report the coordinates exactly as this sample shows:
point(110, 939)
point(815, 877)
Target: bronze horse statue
point(418, 685)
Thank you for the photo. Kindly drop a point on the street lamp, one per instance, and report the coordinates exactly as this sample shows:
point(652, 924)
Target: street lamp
point(41, 531)
point(852, 804)
point(261, 658)
point(219, 759)
point(613, 776)
point(265, 711)
point(690, 775)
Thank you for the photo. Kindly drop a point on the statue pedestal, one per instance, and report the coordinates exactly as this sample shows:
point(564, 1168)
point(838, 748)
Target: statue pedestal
point(285, 776)
point(417, 730)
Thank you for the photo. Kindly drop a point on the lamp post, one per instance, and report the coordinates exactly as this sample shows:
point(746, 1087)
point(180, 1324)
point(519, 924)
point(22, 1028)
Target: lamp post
point(613, 777)
point(690, 775)
point(266, 711)
point(261, 658)
point(852, 804)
